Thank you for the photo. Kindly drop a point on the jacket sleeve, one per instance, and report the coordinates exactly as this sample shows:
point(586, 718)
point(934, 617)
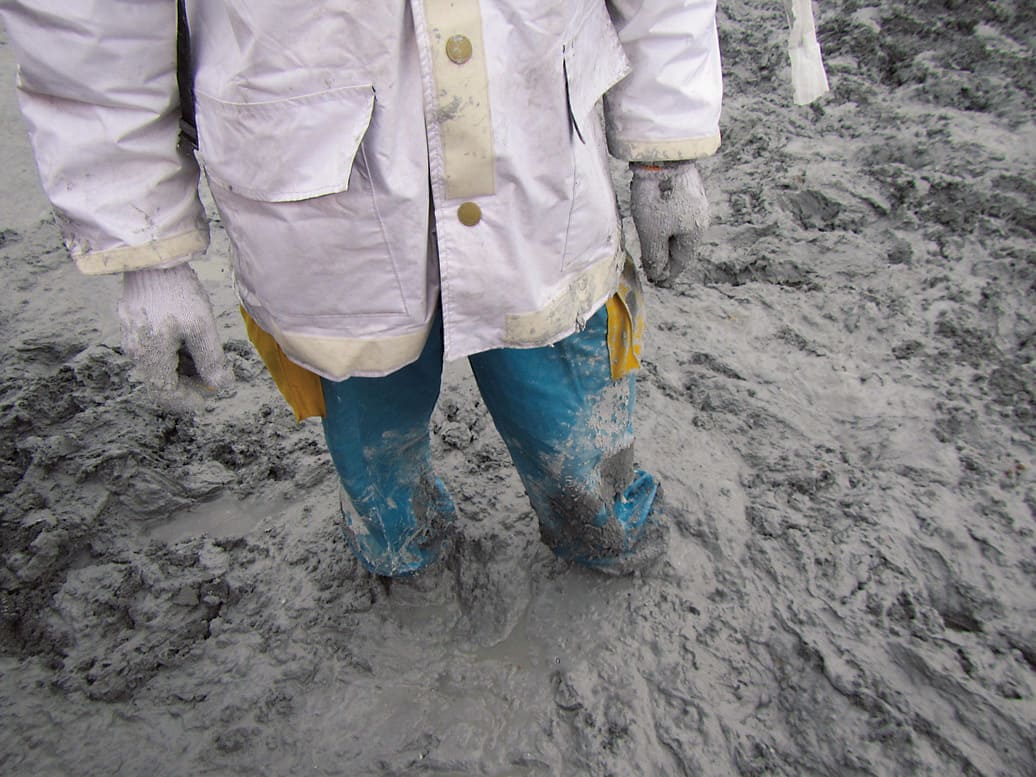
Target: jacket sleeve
point(97, 88)
point(668, 107)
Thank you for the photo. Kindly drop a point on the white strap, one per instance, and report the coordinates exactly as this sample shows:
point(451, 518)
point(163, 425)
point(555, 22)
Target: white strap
point(808, 79)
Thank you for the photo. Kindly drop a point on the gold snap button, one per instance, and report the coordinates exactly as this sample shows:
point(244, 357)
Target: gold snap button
point(469, 214)
point(458, 49)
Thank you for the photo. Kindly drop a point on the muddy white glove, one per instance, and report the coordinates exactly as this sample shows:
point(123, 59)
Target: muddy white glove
point(670, 212)
point(162, 311)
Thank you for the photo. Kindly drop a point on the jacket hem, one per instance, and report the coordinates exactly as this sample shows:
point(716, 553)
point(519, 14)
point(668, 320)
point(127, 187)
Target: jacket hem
point(338, 358)
point(568, 311)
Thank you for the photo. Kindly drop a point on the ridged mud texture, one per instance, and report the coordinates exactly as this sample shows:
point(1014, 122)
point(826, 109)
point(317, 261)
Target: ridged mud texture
point(840, 402)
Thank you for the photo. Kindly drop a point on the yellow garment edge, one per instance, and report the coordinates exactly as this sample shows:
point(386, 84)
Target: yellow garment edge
point(626, 324)
point(303, 392)
point(300, 388)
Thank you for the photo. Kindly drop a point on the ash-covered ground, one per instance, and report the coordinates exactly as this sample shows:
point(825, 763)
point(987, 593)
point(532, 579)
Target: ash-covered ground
point(840, 400)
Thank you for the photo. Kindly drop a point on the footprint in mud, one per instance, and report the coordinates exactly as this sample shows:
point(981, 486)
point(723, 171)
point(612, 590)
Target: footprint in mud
point(492, 587)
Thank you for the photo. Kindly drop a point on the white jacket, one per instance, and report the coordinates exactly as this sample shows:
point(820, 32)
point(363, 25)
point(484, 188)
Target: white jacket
point(332, 132)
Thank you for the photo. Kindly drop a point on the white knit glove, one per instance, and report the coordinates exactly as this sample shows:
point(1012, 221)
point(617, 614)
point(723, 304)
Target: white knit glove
point(670, 212)
point(162, 311)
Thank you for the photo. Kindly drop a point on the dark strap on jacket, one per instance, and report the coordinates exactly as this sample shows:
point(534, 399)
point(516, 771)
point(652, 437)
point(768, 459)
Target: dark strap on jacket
point(185, 78)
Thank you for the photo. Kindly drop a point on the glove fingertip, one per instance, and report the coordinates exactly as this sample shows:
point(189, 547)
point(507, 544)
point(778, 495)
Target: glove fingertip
point(211, 363)
point(655, 262)
point(158, 377)
point(218, 377)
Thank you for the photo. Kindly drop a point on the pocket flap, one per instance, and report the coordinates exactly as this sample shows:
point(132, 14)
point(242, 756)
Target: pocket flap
point(594, 61)
point(284, 150)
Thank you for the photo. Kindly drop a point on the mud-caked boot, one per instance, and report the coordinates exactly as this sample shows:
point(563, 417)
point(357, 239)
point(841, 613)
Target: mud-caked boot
point(400, 533)
point(433, 585)
point(630, 537)
point(646, 552)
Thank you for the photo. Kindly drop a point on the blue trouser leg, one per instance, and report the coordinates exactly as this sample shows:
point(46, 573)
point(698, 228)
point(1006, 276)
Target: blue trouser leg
point(377, 432)
point(568, 427)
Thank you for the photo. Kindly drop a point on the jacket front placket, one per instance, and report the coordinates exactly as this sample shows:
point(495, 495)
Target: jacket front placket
point(459, 129)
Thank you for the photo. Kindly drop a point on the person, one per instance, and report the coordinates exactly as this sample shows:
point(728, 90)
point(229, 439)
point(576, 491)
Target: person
point(402, 182)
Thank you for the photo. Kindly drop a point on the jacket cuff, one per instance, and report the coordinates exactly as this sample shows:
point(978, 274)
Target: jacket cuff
point(662, 150)
point(164, 253)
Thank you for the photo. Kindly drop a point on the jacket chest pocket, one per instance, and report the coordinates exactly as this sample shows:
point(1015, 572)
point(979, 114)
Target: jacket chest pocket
point(299, 204)
point(284, 150)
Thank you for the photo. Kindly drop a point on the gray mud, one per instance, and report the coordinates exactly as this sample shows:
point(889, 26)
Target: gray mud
point(842, 406)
